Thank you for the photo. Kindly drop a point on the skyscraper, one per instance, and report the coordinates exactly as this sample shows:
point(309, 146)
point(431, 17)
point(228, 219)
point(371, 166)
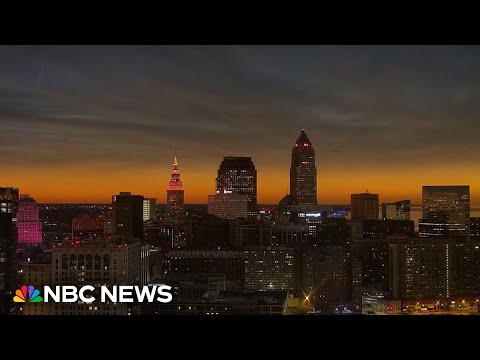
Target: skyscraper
point(399, 210)
point(175, 195)
point(364, 206)
point(9, 201)
point(445, 211)
point(29, 224)
point(303, 173)
point(237, 175)
point(127, 218)
point(149, 209)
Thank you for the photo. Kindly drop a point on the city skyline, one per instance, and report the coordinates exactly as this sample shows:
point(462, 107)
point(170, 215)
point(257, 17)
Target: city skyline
point(239, 180)
point(340, 198)
point(95, 121)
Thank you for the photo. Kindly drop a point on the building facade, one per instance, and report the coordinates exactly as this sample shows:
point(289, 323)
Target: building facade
point(228, 206)
point(127, 218)
point(475, 228)
point(98, 266)
point(338, 282)
point(445, 211)
point(373, 253)
point(434, 268)
point(37, 271)
point(269, 268)
point(237, 175)
point(364, 206)
point(289, 235)
point(149, 209)
point(29, 225)
point(250, 232)
point(372, 229)
point(303, 173)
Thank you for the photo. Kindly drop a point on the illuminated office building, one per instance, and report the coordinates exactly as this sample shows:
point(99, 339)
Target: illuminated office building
point(445, 211)
point(434, 268)
point(303, 173)
point(237, 175)
point(149, 209)
point(269, 268)
point(338, 282)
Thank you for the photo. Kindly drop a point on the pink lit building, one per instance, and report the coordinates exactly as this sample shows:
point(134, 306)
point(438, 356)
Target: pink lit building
point(28, 222)
point(175, 195)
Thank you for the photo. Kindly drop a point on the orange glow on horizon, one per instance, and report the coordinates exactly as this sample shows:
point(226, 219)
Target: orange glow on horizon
point(94, 185)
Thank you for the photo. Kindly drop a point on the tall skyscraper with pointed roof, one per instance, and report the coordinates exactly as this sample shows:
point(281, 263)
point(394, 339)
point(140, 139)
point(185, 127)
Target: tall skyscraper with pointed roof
point(303, 172)
point(175, 195)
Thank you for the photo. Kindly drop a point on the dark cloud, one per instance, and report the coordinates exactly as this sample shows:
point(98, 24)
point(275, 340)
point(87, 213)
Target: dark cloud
point(134, 105)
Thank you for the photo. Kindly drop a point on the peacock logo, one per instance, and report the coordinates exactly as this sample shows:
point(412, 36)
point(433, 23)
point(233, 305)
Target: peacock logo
point(33, 294)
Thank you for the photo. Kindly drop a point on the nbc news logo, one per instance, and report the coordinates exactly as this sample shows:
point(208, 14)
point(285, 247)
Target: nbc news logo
point(70, 294)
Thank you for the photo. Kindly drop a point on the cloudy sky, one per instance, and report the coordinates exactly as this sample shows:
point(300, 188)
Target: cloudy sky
point(80, 123)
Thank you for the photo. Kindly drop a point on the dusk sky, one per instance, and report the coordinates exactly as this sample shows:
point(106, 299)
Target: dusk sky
point(81, 123)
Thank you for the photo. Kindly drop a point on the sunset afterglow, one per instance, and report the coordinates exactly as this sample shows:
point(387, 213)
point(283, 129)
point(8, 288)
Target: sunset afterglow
point(80, 123)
